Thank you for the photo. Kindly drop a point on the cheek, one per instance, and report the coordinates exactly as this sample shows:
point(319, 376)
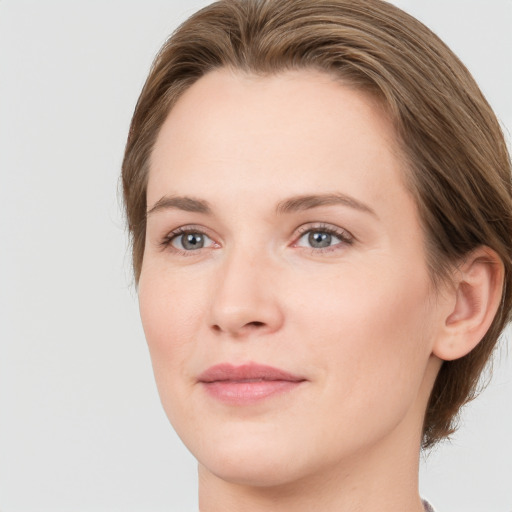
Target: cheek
point(170, 312)
point(370, 332)
point(367, 337)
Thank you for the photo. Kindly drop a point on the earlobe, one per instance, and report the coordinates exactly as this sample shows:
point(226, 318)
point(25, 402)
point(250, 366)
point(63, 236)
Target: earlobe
point(476, 296)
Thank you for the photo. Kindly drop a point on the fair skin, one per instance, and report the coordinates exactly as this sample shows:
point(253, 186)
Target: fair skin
point(302, 251)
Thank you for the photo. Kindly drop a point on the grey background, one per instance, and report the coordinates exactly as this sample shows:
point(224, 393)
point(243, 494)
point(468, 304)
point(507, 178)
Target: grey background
point(81, 427)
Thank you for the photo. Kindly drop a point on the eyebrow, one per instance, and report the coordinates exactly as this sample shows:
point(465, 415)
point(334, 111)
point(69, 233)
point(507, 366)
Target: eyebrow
point(185, 203)
point(293, 204)
point(306, 202)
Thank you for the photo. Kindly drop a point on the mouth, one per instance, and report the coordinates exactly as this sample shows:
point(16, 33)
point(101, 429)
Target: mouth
point(248, 383)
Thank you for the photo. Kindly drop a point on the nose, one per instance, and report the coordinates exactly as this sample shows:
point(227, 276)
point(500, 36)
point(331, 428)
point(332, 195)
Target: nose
point(246, 299)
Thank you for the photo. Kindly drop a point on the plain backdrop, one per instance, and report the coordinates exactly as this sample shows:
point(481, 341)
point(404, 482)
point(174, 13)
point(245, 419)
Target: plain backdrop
point(81, 427)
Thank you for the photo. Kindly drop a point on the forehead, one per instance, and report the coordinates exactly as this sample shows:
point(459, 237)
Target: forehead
point(285, 132)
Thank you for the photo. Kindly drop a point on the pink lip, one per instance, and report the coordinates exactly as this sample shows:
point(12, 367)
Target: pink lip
point(246, 384)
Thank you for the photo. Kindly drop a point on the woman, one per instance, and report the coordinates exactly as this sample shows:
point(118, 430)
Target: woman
point(319, 199)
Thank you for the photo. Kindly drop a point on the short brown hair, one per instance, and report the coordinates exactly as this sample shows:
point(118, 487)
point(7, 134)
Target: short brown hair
point(459, 164)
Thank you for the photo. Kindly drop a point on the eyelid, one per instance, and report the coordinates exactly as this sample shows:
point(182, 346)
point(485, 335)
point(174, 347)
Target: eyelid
point(346, 238)
point(166, 242)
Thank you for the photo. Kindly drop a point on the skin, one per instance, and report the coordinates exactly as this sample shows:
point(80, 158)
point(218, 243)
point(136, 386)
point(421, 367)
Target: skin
point(358, 320)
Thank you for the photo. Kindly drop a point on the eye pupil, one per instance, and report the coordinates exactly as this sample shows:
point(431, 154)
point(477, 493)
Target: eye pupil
point(319, 239)
point(192, 241)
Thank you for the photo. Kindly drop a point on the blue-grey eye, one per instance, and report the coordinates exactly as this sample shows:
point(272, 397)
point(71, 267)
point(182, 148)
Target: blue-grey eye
point(319, 239)
point(191, 241)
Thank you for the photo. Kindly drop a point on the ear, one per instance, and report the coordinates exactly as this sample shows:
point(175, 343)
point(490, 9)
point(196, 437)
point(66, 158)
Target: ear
point(473, 302)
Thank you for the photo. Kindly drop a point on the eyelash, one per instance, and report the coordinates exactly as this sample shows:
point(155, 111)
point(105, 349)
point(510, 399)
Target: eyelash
point(344, 236)
point(166, 242)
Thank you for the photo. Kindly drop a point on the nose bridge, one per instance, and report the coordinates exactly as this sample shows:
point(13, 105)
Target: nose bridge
point(245, 298)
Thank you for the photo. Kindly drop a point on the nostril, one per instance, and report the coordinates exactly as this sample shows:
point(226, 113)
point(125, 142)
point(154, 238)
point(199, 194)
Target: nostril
point(239, 328)
point(255, 324)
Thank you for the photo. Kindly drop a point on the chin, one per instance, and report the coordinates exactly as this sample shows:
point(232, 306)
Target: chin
point(252, 469)
point(249, 457)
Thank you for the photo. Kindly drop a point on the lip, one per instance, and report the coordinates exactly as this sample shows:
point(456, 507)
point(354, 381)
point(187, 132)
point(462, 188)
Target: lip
point(248, 383)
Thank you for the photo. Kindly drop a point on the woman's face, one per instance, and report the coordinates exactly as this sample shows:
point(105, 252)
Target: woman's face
point(280, 234)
